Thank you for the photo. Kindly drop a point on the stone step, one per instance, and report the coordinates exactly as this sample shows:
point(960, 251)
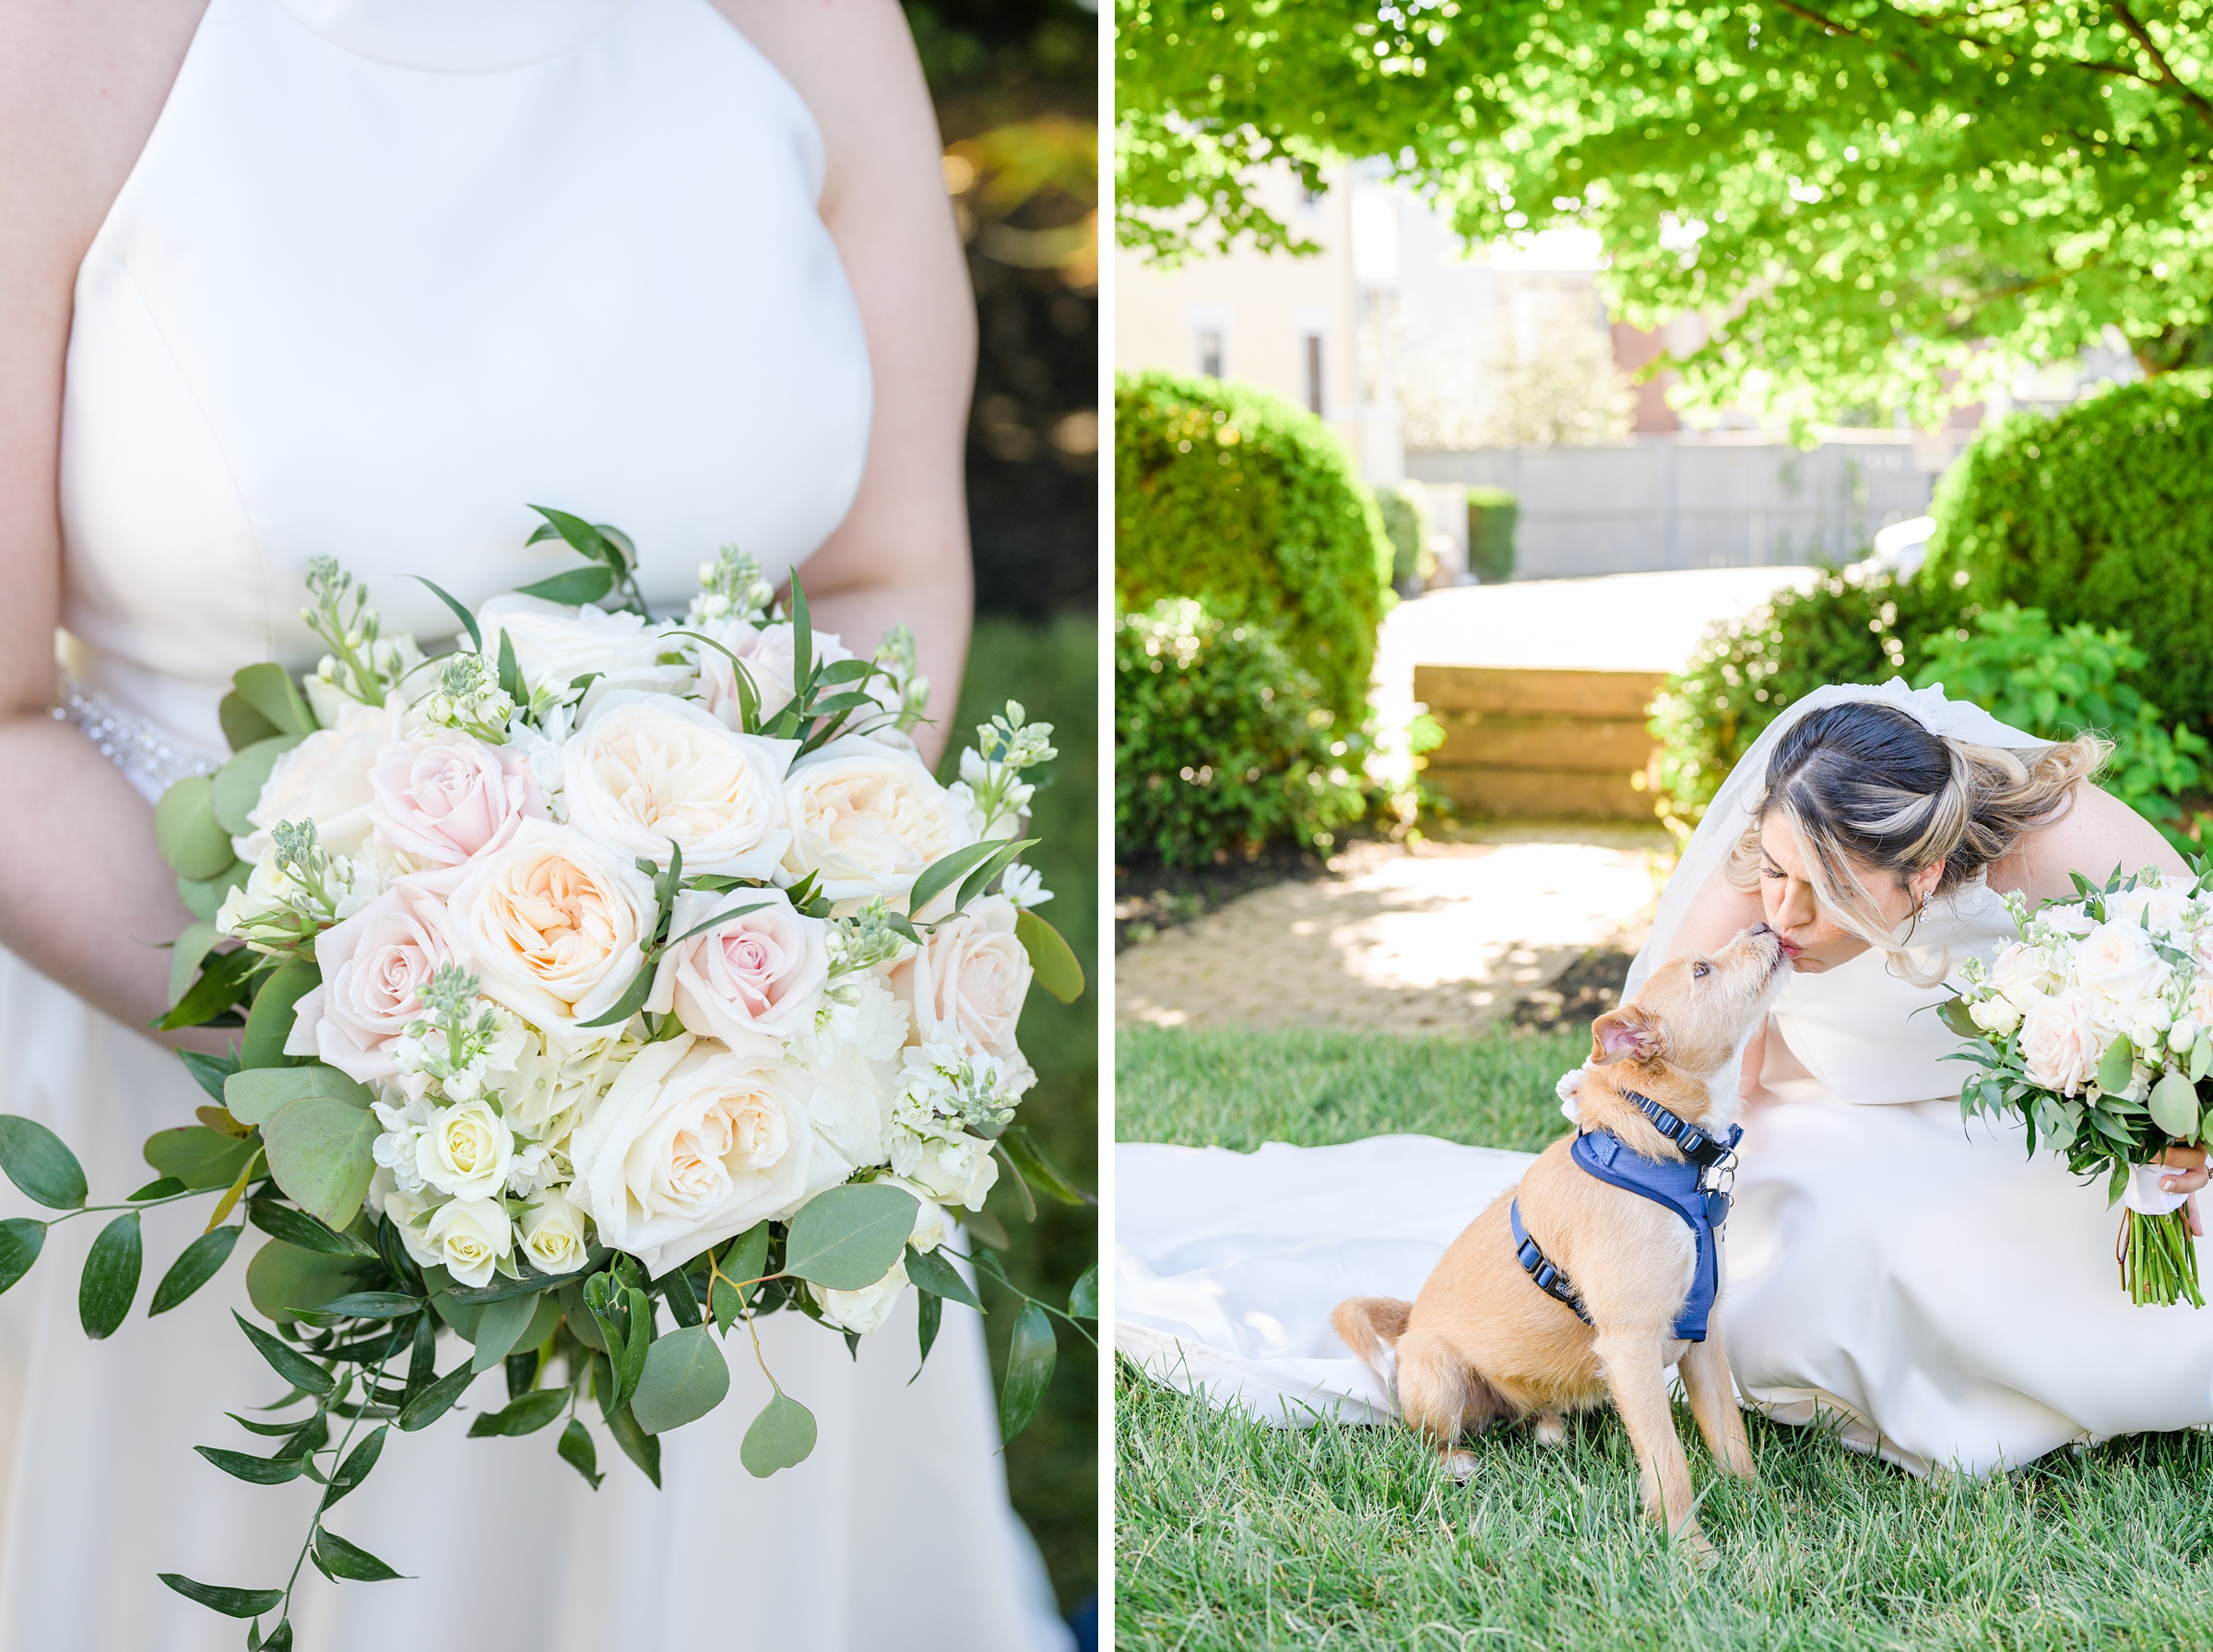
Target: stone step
point(1474, 738)
point(1520, 692)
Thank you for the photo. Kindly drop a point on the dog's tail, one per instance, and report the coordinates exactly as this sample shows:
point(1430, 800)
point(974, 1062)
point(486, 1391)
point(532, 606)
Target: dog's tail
point(1370, 1325)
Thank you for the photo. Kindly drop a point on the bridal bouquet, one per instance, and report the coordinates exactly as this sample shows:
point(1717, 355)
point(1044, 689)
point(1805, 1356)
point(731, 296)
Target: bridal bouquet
point(2096, 1030)
point(599, 987)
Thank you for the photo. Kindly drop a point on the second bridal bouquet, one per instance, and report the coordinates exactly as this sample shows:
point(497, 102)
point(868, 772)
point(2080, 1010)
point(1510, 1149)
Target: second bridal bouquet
point(2095, 1029)
point(598, 987)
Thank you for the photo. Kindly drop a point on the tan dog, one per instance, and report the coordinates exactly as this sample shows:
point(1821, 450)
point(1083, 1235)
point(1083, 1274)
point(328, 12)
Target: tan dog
point(1483, 1341)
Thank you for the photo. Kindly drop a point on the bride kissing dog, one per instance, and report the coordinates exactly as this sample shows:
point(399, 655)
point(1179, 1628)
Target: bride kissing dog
point(1599, 1268)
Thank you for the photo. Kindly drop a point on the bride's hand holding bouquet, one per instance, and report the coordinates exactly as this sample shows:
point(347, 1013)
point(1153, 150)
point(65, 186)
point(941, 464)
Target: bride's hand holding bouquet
point(597, 988)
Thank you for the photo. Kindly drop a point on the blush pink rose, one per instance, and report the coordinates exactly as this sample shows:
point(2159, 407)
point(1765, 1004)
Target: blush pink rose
point(374, 967)
point(2059, 1043)
point(968, 979)
point(752, 981)
point(450, 799)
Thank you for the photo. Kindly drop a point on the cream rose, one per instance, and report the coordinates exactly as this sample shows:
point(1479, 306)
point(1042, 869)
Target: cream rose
point(471, 1237)
point(2118, 972)
point(645, 770)
point(465, 1150)
point(556, 645)
point(554, 925)
point(325, 779)
point(1999, 1015)
point(2023, 975)
point(864, 1310)
point(374, 966)
point(869, 818)
point(2059, 1043)
point(968, 979)
point(553, 1233)
point(693, 1143)
point(752, 981)
point(447, 800)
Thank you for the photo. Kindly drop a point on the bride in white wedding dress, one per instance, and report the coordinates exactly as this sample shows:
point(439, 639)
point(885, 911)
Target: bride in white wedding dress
point(364, 279)
point(1922, 1286)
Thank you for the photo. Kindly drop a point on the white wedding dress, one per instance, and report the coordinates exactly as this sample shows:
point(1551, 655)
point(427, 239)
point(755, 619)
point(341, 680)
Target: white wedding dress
point(1917, 1283)
point(387, 272)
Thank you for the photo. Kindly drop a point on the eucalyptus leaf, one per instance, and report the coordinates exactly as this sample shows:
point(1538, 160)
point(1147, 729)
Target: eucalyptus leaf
point(204, 897)
point(2115, 1066)
point(269, 689)
point(685, 1377)
point(36, 1163)
point(233, 1603)
point(198, 1157)
point(242, 724)
point(187, 953)
point(202, 1260)
point(846, 1238)
point(2201, 1056)
point(1051, 957)
point(110, 1276)
point(2173, 1105)
point(282, 1280)
point(220, 982)
point(269, 1023)
point(256, 1095)
point(189, 836)
point(1953, 1013)
point(782, 1437)
point(578, 1451)
point(319, 1151)
point(1030, 1352)
point(21, 1239)
point(235, 790)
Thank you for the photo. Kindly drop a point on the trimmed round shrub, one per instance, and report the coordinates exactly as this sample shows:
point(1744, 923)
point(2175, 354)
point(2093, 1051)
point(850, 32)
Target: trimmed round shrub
point(1234, 495)
point(1411, 563)
point(1220, 745)
point(2102, 514)
point(1492, 513)
point(1849, 627)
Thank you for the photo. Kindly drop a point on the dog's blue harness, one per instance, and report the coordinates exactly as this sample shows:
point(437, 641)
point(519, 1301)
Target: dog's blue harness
point(1679, 1183)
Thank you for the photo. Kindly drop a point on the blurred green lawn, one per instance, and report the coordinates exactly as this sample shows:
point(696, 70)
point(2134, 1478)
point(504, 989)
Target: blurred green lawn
point(1052, 1468)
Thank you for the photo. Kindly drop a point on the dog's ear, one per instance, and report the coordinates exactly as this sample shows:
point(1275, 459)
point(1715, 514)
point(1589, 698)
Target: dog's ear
point(1625, 1034)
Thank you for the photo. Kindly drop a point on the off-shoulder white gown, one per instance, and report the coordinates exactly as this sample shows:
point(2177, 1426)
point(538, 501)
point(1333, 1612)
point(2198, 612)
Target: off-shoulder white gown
point(1917, 1283)
point(386, 272)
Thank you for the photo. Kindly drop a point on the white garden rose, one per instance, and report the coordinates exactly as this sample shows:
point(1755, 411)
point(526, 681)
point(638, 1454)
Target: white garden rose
point(374, 964)
point(868, 818)
point(2120, 975)
point(325, 779)
point(968, 979)
point(465, 1150)
point(1997, 1015)
point(932, 1226)
point(555, 644)
point(554, 1234)
point(2059, 1043)
point(754, 980)
point(864, 1310)
point(646, 770)
point(2024, 974)
point(471, 1237)
point(2162, 903)
point(554, 925)
point(693, 1143)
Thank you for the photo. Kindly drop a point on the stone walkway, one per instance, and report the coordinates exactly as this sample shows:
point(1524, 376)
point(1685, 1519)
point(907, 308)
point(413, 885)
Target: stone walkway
point(1442, 938)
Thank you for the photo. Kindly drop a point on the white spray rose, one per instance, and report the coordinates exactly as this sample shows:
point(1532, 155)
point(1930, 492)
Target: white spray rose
point(864, 1310)
point(1996, 1015)
point(465, 1151)
point(471, 1237)
point(554, 1234)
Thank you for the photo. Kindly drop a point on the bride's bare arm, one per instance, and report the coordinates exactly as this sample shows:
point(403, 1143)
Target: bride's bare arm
point(79, 87)
point(901, 555)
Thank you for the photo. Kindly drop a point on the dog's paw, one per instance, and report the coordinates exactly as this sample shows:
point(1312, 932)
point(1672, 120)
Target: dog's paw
point(1548, 1428)
point(1460, 1464)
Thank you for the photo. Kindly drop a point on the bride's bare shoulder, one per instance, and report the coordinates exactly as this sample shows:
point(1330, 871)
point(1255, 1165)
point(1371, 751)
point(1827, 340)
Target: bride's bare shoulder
point(2097, 833)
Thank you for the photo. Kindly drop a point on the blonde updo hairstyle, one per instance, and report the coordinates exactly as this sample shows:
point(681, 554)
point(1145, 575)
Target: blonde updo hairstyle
point(1867, 788)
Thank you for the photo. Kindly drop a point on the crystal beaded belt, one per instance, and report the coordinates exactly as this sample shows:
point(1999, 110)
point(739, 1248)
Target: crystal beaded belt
point(139, 748)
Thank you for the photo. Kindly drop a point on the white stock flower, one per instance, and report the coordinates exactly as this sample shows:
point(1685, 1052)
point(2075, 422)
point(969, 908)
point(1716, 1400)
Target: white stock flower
point(643, 770)
point(554, 1234)
point(864, 1310)
point(1996, 1015)
point(471, 1237)
point(868, 818)
point(1024, 886)
point(958, 1170)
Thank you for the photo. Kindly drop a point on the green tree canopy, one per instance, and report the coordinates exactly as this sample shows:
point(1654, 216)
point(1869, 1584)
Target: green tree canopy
point(1895, 201)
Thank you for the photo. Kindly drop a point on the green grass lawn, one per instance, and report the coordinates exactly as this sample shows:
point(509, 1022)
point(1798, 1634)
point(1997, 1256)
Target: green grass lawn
point(1230, 1534)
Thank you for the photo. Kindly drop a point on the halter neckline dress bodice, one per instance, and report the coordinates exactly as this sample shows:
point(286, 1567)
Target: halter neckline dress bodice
point(387, 273)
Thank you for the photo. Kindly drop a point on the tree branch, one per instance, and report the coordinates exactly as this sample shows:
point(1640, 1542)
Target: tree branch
point(2142, 36)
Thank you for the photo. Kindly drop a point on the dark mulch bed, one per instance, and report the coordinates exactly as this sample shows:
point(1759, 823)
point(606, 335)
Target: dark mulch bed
point(1589, 987)
point(1150, 897)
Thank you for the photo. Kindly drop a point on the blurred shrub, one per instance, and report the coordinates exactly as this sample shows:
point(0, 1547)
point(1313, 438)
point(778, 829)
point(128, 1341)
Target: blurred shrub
point(1405, 527)
point(1492, 515)
point(2058, 684)
point(1221, 742)
point(2102, 514)
point(1235, 496)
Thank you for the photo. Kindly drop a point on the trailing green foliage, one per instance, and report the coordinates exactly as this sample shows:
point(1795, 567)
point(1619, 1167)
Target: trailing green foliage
point(1230, 494)
point(2103, 513)
point(1220, 745)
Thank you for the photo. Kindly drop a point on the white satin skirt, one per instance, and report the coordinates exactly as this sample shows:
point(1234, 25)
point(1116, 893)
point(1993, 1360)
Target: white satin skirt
point(1922, 1287)
point(895, 1534)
